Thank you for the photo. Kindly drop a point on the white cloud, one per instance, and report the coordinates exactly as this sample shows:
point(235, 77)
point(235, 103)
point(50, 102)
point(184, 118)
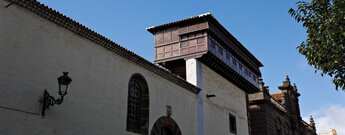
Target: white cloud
point(332, 116)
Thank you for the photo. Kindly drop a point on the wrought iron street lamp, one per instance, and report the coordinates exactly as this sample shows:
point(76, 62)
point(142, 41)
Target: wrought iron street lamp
point(48, 100)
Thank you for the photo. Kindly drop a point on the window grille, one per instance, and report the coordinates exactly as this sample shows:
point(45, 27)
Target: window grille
point(134, 105)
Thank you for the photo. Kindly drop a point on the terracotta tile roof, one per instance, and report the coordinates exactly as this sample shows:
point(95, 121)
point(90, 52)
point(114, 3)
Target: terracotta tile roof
point(77, 28)
point(200, 17)
point(277, 97)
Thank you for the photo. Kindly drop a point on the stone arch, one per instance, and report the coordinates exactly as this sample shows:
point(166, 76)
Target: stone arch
point(140, 112)
point(165, 125)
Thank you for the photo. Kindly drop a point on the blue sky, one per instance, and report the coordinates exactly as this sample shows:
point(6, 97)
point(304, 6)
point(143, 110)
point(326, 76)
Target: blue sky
point(263, 27)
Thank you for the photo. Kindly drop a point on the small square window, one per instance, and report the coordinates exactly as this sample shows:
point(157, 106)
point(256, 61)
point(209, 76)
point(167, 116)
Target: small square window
point(234, 61)
point(246, 71)
point(220, 51)
point(227, 56)
point(232, 123)
point(200, 40)
point(184, 44)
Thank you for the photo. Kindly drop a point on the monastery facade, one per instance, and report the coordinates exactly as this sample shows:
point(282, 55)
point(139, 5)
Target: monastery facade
point(202, 80)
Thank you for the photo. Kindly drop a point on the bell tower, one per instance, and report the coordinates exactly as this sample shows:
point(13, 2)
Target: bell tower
point(291, 103)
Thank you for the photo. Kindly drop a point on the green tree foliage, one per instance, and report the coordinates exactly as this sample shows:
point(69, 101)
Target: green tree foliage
point(325, 44)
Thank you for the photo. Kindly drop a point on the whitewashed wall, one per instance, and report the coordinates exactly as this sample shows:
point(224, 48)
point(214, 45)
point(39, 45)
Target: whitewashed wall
point(34, 52)
point(229, 99)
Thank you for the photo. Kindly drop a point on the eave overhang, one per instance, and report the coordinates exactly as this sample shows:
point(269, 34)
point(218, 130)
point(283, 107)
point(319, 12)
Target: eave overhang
point(228, 73)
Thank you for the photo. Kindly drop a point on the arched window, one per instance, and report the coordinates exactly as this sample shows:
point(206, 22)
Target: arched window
point(137, 105)
point(165, 125)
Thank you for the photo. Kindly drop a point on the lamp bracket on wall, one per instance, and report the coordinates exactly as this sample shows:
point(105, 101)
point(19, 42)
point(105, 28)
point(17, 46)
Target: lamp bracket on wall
point(49, 100)
point(210, 95)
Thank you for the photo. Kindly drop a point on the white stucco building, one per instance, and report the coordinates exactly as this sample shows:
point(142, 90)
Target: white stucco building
point(202, 89)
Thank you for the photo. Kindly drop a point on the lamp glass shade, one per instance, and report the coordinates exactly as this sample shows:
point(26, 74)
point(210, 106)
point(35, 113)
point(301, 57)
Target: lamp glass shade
point(64, 81)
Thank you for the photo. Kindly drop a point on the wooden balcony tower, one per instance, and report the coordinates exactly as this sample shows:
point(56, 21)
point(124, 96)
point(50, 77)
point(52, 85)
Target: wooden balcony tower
point(204, 38)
